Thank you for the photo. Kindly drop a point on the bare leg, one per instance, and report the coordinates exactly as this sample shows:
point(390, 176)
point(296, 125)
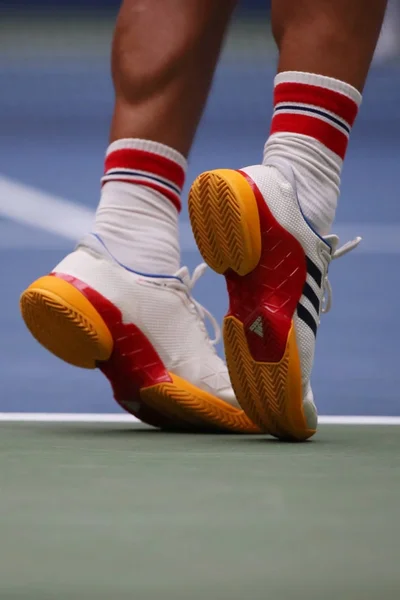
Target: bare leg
point(163, 60)
point(336, 39)
point(325, 51)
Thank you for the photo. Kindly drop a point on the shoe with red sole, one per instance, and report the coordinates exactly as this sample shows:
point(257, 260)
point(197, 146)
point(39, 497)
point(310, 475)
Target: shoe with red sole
point(248, 225)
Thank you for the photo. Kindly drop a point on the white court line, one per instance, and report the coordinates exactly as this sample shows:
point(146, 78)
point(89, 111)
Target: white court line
point(358, 420)
point(14, 236)
point(122, 418)
point(29, 206)
point(35, 208)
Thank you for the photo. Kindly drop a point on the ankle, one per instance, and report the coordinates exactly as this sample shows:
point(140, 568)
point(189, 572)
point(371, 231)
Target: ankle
point(310, 129)
point(137, 218)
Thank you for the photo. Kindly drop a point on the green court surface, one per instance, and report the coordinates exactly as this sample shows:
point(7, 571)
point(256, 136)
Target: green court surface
point(110, 512)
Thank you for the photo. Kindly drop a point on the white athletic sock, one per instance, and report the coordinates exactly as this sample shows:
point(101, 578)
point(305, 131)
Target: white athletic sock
point(137, 218)
point(310, 129)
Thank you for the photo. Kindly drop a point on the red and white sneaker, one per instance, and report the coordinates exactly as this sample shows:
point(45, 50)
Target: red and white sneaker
point(249, 226)
point(145, 333)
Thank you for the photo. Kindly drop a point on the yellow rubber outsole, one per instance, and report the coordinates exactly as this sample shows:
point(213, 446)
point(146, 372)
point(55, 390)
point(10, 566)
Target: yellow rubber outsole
point(225, 222)
point(188, 404)
point(269, 393)
point(62, 320)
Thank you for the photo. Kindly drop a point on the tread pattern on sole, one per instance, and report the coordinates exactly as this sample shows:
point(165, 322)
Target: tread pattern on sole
point(268, 392)
point(197, 407)
point(217, 202)
point(63, 330)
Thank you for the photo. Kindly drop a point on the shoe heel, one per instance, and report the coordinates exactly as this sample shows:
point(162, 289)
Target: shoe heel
point(270, 393)
point(225, 221)
point(62, 320)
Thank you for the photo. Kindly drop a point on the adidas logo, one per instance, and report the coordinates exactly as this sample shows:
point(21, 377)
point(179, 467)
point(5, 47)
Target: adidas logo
point(257, 327)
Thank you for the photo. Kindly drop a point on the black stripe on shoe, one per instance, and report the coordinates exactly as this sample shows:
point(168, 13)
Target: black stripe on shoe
point(309, 293)
point(313, 270)
point(307, 317)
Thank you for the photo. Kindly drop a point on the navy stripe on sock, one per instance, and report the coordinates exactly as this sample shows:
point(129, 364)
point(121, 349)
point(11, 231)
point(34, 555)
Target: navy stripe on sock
point(315, 111)
point(167, 184)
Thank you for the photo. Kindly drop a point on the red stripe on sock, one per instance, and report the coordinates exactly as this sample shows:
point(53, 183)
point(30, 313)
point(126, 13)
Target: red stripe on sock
point(141, 160)
point(316, 128)
point(320, 97)
point(169, 194)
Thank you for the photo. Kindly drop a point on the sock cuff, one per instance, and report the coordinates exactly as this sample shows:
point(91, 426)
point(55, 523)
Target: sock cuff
point(146, 163)
point(313, 79)
point(316, 106)
point(148, 146)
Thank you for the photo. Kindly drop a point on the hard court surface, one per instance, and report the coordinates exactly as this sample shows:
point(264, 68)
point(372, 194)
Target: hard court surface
point(120, 511)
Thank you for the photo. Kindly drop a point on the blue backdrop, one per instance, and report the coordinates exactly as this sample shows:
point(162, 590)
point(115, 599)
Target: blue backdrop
point(102, 4)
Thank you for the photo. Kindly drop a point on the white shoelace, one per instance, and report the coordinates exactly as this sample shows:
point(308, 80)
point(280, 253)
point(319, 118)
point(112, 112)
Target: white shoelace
point(189, 282)
point(333, 241)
